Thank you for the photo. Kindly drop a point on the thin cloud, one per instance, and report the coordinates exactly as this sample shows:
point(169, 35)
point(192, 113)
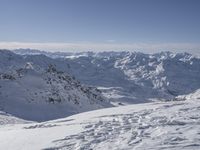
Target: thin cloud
point(86, 46)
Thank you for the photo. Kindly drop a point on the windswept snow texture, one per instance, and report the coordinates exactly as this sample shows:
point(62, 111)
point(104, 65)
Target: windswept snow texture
point(170, 125)
point(132, 77)
point(41, 92)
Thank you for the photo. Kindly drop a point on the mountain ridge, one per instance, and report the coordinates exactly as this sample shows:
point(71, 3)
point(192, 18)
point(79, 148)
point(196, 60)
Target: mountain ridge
point(43, 92)
point(125, 76)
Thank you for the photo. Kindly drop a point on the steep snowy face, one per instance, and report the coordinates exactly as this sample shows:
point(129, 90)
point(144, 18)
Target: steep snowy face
point(175, 73)
point(37, 93)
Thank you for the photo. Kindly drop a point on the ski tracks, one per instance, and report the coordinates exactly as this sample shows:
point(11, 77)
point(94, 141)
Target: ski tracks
point(169, 126)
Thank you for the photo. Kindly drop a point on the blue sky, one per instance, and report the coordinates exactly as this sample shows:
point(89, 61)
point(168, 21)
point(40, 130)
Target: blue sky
point(100, 24)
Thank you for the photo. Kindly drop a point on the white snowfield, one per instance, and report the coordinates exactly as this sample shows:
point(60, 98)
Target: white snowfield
point(170, 125)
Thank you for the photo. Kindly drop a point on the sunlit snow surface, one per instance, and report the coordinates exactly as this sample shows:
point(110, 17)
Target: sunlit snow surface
point(158, 125)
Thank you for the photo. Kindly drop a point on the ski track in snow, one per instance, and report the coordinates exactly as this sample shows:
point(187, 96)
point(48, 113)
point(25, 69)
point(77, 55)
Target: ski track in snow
point(148, 128)
point(155, 126)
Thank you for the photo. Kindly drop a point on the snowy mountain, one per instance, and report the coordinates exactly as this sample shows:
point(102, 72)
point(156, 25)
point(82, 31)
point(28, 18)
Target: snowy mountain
point(39, 91)
point(38, 88)
point(170, 125)
point(124, 77)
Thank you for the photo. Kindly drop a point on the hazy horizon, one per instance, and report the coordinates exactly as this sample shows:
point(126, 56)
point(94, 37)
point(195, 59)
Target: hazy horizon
point(146, 26)
point(84, 47)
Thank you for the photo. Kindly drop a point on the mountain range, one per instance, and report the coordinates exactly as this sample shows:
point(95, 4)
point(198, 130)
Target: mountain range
point(66, 100)
point(129, 77)
point(39, 91)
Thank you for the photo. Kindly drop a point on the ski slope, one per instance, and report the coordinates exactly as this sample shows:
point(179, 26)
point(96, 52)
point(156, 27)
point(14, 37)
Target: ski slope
point(159, 125)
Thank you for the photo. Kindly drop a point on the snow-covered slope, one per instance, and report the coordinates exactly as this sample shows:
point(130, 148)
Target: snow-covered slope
point(132, 77)
point(170, 125)
point(39, 92)
point(6, 118)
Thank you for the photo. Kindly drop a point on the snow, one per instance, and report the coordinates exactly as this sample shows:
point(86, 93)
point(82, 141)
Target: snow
point(6, 118)
point(161, 76)
point(41, 92)
point(158, 125)
point(39, 97)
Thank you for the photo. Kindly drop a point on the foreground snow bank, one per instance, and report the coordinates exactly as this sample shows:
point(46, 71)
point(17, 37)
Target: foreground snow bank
point(169, 125)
